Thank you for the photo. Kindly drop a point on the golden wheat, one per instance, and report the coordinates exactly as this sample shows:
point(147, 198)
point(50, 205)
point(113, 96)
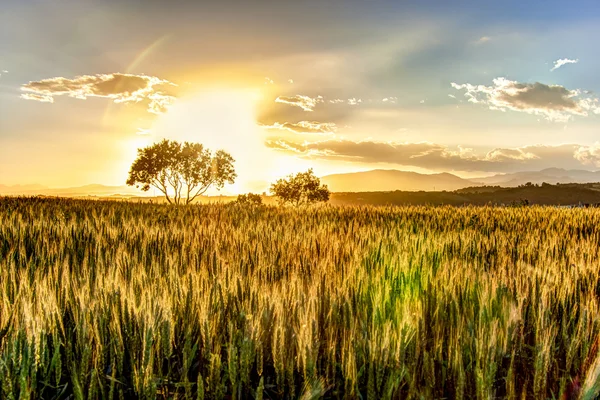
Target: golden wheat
point(121, 300)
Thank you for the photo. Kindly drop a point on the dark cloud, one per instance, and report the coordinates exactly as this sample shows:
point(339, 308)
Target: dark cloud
point(121, 88)
point(121, 84)
point(439, 157)
point(553, 102)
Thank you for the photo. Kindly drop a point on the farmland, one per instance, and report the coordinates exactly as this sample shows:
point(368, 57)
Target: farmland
point(102, 299)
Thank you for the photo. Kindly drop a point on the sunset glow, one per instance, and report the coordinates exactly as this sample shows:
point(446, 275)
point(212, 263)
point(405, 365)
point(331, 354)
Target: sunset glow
point(299, 199)
point(336, 86)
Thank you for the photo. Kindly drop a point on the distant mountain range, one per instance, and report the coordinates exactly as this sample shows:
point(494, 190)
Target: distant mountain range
point(87, 190)
point(549, 175)
point(381, 180)
point(378, 180)
point(389, 180)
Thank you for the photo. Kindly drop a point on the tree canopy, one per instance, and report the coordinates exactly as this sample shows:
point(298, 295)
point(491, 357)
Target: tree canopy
point(183, 171)
point(300, 189)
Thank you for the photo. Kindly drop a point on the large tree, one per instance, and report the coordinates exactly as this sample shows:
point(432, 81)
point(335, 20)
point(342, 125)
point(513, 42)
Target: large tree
point(300, 189)
point(183, 171)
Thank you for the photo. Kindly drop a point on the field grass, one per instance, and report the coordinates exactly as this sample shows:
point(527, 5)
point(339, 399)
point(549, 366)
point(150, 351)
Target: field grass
point(122, 300)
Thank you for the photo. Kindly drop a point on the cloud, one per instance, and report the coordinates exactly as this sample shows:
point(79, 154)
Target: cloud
point(563, 61)
point(326, 128)
point(439, 157)
point(391, 100)
point(553, 102)
point(518, 154)
point(142, 131)
point(160, 103)
point(38, 97)
point(3, 72)
point(589, 155)
point(308, 103)
point(290, 80)
point(483, 40)
point(121, 88)
point(268, 81)
point(304, 102)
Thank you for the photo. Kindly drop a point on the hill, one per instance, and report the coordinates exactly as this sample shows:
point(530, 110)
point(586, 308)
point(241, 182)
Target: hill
point(548, 175)
point(388, 180)
point(381, 180)
point(568, 194)
point(78, 191)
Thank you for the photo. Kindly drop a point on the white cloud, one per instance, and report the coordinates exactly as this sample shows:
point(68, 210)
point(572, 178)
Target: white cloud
point(553, 102)
point(337, 101)
point(38, 97)
point(353, 101)
point(322, 128)
point(563, 61)
point(290, 80)
point(589, 155)
point(121, 88)
point(159, 103)
point(304, 102)
point(142, 131)
point(483, 40)
point(501, 154)
point(268, 81)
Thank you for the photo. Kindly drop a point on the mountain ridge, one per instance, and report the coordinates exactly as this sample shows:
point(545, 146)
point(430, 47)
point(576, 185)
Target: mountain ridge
point(376, 180)
point(93, 189)
point(391, 179)
point(548, 175)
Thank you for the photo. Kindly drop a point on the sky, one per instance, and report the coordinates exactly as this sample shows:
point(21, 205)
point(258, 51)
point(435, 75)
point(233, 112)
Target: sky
point(468, 87)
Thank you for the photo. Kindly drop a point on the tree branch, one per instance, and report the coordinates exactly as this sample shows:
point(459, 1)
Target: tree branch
point(162, 187)
point(201, 191)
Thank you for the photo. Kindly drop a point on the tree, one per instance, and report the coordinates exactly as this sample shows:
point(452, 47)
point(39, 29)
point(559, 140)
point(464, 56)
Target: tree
point(301, 189)
point(249, 199)
point(187, 171)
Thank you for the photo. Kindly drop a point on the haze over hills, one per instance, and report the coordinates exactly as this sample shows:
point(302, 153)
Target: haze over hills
point(6, 189)
point(389, 180)
point(378, 180)
point(381, 180)
point(86, 190)
point(548, 175)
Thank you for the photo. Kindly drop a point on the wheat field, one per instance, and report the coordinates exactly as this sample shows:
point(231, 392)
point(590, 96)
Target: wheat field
point(117, 300)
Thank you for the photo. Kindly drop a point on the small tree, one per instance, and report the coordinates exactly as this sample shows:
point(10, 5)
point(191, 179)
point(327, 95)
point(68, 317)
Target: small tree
point(249, 199)
point(186, 170)
point(301, 189)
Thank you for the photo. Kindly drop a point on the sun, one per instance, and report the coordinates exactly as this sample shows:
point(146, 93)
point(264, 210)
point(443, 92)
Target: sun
point(223, 119)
